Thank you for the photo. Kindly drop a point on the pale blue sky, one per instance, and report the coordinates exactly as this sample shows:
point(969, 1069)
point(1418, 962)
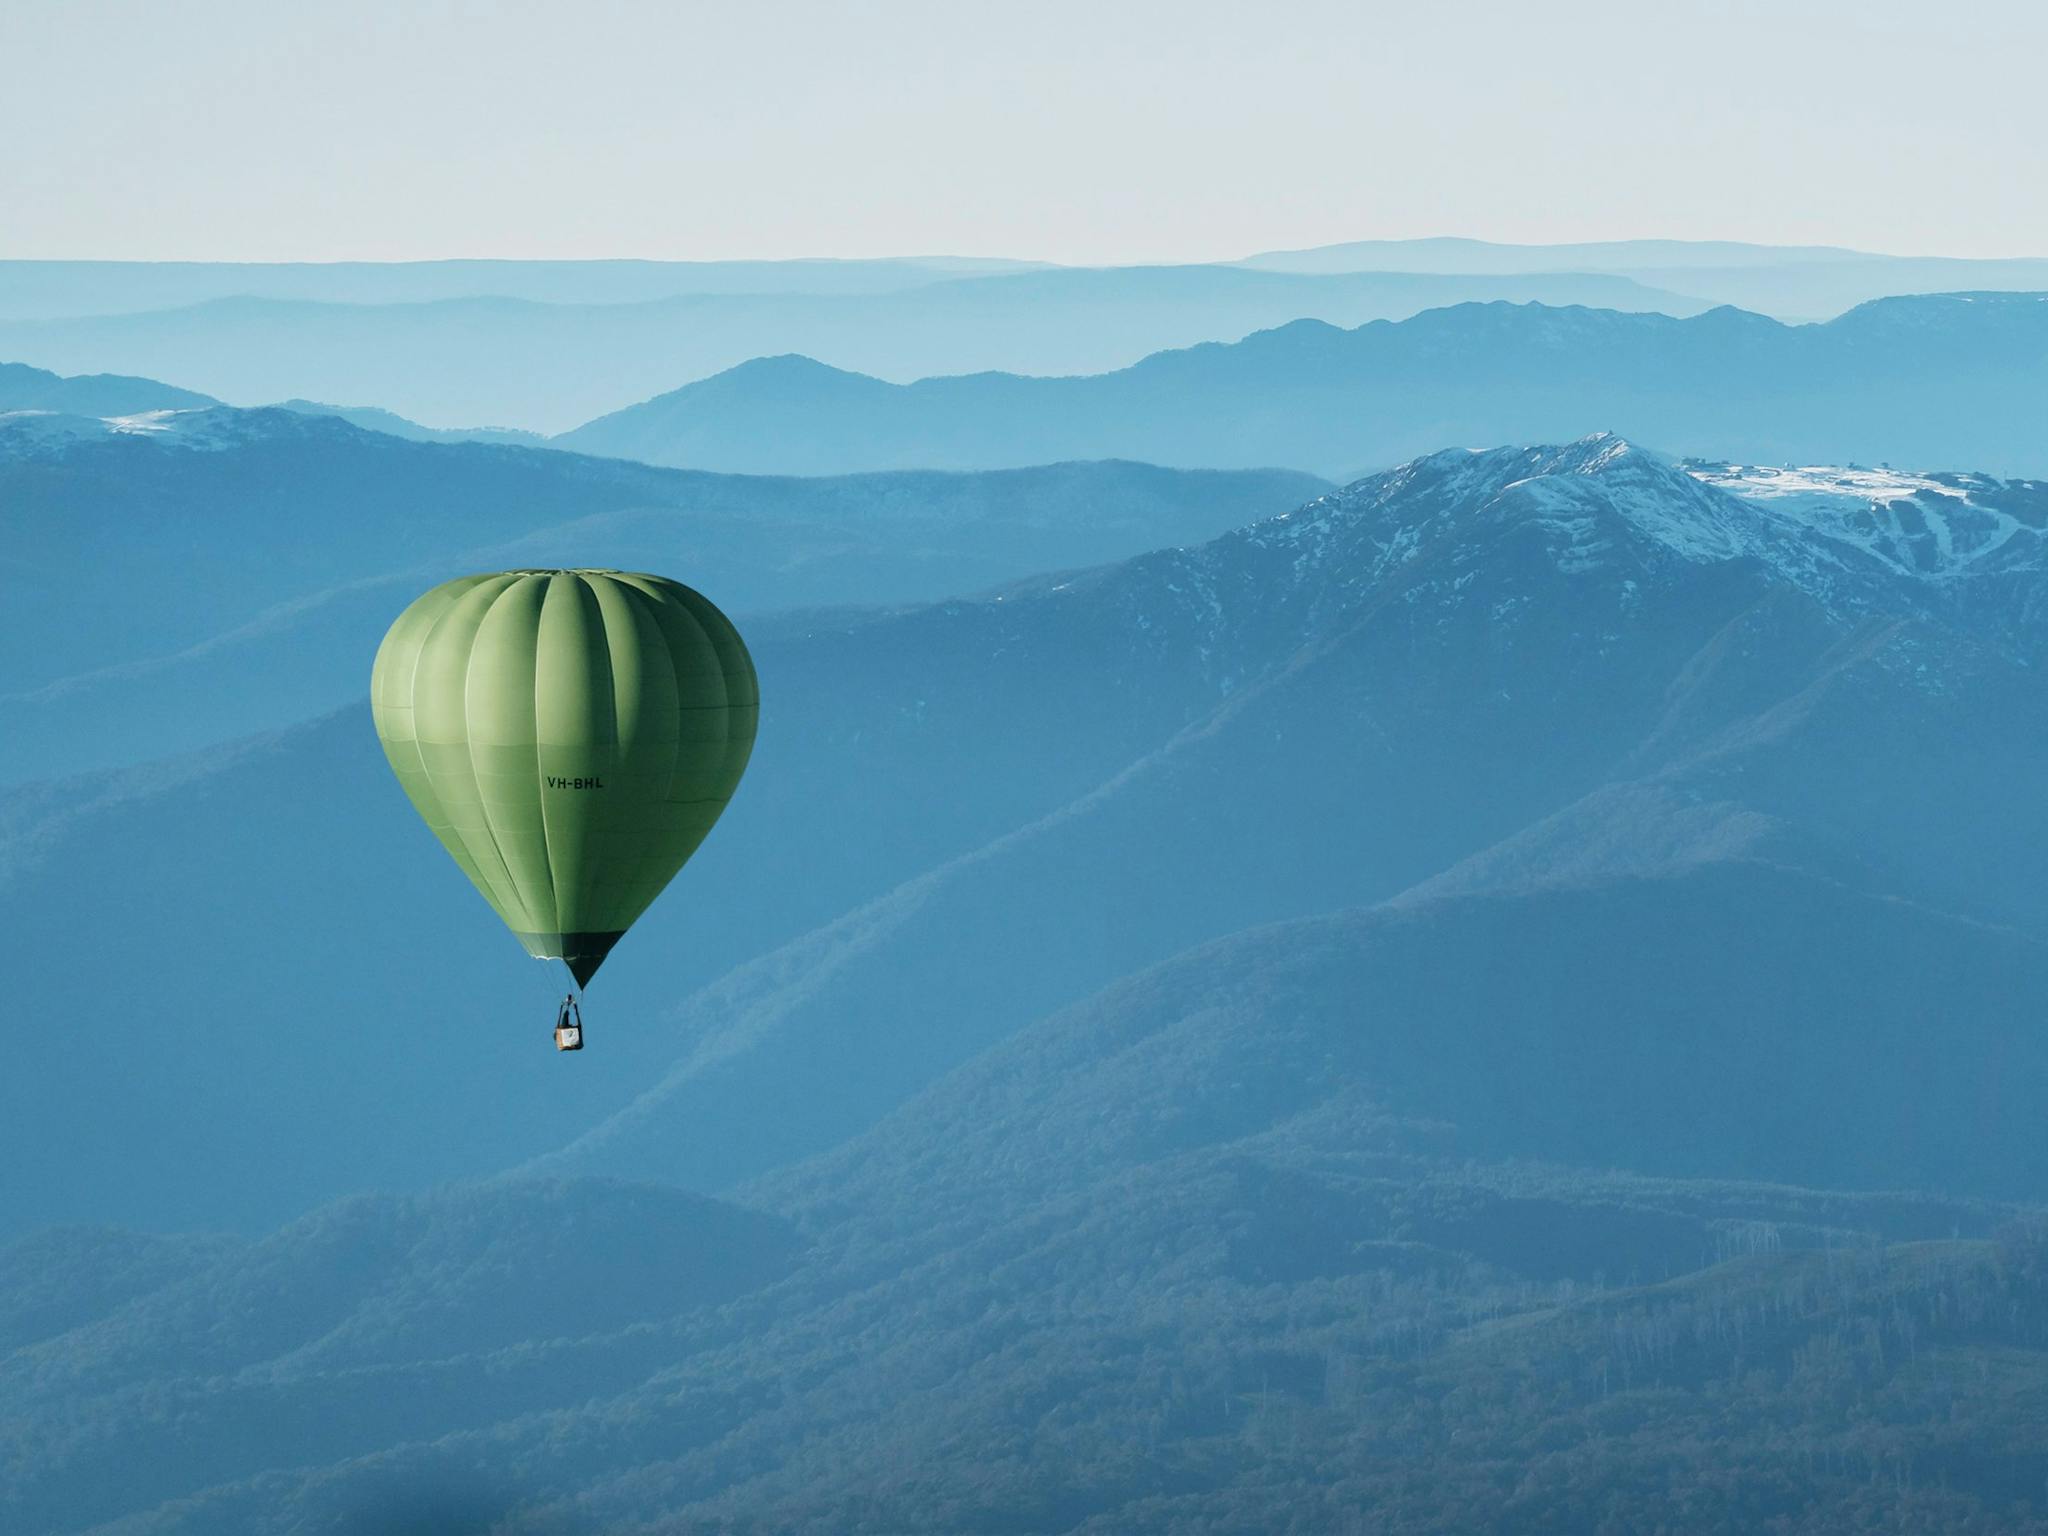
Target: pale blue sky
point(1101, 132)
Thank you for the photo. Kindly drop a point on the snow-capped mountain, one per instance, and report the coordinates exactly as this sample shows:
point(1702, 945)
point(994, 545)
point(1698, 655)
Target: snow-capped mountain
point(1603, 499)
point(1587, 538)
point(1525, 665)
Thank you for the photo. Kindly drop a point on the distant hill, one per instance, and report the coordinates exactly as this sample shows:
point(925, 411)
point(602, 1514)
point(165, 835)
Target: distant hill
point(1789, 282)
point(493, 356)
point(242, 565)
point(60, 410)
point(1449, 253)
point(23, 388)
point(375, 419)
point(1949, 379)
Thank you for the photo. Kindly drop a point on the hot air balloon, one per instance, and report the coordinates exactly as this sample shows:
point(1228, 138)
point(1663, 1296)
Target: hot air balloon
point(570, 736)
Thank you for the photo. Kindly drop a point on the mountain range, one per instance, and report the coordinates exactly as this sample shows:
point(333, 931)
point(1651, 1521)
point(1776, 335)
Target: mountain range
point(295, 538)
point(543, 346)
point(1473, 672)
point(56, 289)
point(548, 366)
point(1814, 282)
point(1480, 673)
point(1929, 381)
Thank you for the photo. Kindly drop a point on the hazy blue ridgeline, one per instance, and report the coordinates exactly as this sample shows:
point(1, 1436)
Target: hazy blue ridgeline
point(490, 359)
point(1931, 380)
point(23, 388)
point(1788, 282)
point(547, 345)
point(1793, 282)
point(1936, 380)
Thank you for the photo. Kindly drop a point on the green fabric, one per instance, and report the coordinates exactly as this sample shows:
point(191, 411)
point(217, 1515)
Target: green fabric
point(570, 736)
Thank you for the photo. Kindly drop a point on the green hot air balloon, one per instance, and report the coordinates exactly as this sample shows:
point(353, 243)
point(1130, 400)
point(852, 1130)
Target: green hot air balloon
point(570, 736)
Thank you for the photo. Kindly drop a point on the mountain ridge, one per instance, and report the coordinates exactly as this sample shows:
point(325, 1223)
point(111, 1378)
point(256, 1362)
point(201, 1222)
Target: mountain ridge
point(316, 531)
point(546, 366)
point(27, 389)
point(1316, 396)
point(1357, 566)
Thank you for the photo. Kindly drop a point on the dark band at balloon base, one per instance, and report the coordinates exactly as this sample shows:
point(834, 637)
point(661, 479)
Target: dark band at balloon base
point(583, 953)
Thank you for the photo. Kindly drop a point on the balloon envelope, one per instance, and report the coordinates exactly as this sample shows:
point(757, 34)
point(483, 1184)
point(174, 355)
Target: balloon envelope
point(570, 736)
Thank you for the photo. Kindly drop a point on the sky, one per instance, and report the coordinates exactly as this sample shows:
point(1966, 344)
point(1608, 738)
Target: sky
point(1093, 133)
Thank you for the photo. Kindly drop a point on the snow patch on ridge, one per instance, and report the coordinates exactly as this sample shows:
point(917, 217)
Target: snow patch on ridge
point(1923, 526)
point(204, 429)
